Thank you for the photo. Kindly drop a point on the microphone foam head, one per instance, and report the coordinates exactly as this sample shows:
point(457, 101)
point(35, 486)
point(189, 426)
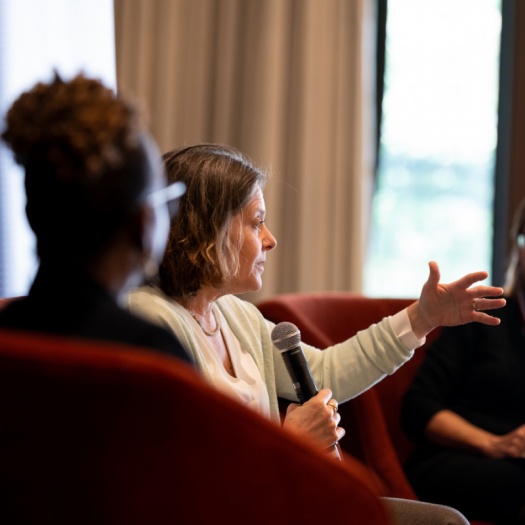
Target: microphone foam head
point(286, 336)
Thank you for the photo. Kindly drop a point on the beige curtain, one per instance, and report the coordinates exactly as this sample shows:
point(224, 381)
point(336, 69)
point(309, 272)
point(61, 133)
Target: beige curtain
point(288, 82)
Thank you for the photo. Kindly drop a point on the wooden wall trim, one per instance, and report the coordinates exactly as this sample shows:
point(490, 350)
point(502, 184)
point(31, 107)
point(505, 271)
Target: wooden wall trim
point(510, 157)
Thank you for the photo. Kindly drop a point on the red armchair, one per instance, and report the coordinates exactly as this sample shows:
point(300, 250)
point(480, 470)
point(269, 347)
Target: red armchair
point(372, 420)
point(373, 433)
point(6, 301)
point(101, 433)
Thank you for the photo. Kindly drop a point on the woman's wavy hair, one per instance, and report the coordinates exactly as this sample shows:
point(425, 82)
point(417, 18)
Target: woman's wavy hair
point(201, 250)
point(514, 277)
point(80, 146)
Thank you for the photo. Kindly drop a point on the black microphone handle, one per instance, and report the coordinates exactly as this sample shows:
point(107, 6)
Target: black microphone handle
point(302, 380)
point(304, 384)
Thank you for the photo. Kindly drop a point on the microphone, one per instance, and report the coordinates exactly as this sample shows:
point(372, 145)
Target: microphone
point(286, 337)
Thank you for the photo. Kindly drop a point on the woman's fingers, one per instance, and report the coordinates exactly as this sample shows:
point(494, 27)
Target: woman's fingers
point(515, 442)
point(515, 448)
point(489, 304)
point(485, 291)
point(324, 395)
point(471, 278)
point(520, 431)
point(333, 404)
point(435, 276)
point(482, 318)
point(321, 430)
point(510, 445)
point(452, 304)
point(292, 407)
point(317, 419)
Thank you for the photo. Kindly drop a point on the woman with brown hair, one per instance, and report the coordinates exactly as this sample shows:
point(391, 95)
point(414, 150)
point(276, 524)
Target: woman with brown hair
point(217, 248)
point(97, 202)
point(466, 409)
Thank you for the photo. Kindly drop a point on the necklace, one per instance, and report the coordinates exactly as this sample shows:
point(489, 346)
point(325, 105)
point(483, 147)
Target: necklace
point(205, 330)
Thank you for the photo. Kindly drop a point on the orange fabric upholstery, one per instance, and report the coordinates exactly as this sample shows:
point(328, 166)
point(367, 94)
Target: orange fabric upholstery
point(6, 301)
point(373, 431)
point(372, 420)
point(103, 433)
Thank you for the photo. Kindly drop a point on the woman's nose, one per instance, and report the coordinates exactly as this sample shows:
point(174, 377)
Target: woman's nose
point(270, 241)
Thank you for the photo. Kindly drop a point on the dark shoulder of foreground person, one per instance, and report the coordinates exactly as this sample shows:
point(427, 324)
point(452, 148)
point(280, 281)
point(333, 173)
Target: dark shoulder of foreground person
point(144, 334)
point(99, 319)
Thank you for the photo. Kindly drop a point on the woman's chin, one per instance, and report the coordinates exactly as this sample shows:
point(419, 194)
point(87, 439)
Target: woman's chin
point(254, 285)
point(257, 285)
point(257, 288)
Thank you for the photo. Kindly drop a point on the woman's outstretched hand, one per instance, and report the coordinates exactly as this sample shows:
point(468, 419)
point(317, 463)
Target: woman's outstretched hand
point(452, 304)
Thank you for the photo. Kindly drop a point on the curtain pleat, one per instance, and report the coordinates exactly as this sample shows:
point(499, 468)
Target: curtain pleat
point(287, 82)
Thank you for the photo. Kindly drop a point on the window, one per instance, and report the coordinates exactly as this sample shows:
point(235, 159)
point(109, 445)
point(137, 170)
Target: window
point(437, 151)
point(36, 37)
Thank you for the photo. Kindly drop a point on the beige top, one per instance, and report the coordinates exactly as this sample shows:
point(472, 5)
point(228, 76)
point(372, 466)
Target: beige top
point(247, 387)
point(347, 369)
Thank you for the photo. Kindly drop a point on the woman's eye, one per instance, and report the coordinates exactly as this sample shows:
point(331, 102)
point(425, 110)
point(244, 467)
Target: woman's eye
point(259, 224)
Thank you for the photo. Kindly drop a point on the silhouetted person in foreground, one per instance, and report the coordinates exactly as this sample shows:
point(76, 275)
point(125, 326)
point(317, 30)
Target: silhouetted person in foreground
point(97, 202)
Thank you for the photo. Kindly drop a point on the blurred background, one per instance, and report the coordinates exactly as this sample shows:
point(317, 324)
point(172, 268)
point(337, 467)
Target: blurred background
point(392, 129)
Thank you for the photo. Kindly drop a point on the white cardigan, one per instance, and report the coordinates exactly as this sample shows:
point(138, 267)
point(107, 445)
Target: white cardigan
point(347, 369)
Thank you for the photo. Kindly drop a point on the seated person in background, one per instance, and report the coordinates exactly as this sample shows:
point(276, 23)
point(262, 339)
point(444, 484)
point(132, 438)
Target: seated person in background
point(95, 191)
point(466, 410)
point(217, 247)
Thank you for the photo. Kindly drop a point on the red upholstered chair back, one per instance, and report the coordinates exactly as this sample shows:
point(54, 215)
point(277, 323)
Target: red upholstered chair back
point(372, 420)
point(93, 432)
point(7, 300)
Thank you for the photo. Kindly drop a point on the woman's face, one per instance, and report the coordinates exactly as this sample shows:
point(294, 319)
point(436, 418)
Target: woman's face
point(257, 240)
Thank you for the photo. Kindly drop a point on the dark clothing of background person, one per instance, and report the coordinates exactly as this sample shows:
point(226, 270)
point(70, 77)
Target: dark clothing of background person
point(478, 372)
point(65, 301)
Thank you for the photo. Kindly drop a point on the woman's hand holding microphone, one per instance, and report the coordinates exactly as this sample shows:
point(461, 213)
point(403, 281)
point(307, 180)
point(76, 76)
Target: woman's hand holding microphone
point(317, 419)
